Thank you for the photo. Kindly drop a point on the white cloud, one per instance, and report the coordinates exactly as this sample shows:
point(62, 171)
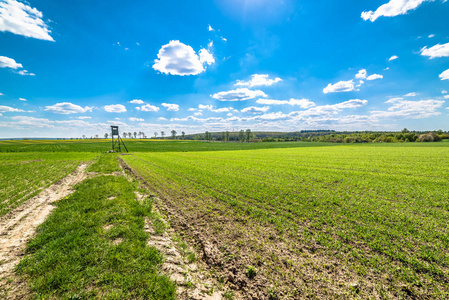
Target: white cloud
point(303, 103)
point(361, 74)
point(206, 56)
point(392, 8)
point(209, 107)
point(84, 118)
point(224, 39)
point(22, 99)
point(445, 75)
point(240, 94)
point(210, 28)
point(431, 36)
point(436, 51)
point(393, 57)
point(25, 73)
point(177, 58)
point(446, 96)
point(410, 109)
point(171, 107)
point(6, 62)
point(136, 101)
point(191, 109)
point(20, 18)
point(148, 107)
point(341, 86)
point(411, 94)
point(162, 119)
point(258, 80)
point(443, 92)
point(374, 77)
point(1, 94)
point(136, 119)
point(66, 108)
point(4, 109)
point(198, 114)
point(255, 110)
point(115, 108)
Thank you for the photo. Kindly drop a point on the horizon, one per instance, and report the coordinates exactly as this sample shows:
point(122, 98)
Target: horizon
point(73, 69)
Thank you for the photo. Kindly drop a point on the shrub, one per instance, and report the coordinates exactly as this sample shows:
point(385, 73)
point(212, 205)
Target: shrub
point(426, 138)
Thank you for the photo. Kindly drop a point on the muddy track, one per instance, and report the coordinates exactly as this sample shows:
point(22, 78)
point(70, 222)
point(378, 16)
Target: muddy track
point(19, 226)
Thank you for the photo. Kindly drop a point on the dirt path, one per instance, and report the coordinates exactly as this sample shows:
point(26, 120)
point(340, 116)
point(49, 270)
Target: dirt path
point(19, 225)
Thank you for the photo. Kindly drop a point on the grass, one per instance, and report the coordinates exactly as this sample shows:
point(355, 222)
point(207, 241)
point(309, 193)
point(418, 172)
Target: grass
point(24, 175)
point(94, 246)
point(378, 212)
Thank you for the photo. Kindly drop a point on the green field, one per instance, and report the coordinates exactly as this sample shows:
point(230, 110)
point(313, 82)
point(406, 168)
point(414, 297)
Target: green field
point(23, 175)
point(306, 220)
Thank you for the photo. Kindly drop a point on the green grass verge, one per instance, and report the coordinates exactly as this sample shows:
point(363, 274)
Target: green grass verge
point(105, 164)
point(94, 246)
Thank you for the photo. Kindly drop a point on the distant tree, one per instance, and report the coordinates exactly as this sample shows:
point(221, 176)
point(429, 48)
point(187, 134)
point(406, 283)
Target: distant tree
point(162, 134)
point(155, 134)
point(106, 135)
point(223, 136)
point(439, 132)
point(248, 135)
point(130, 135)
point(242, 135)
point(227, 136)
point(84, 136)
point(183, 134)
point(135, 134)
point(96, 136)
point(405, 130)
point(143, 135)
point(125, 135)
point(173, 134)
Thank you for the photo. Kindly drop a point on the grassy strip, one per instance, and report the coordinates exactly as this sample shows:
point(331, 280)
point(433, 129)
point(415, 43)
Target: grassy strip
point(105, 164)
point(94, 246)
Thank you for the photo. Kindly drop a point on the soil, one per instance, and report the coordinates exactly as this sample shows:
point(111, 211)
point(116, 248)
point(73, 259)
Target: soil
point(19, 226)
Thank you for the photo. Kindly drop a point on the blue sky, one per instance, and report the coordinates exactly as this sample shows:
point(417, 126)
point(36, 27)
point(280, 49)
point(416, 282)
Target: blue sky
point(69, 68)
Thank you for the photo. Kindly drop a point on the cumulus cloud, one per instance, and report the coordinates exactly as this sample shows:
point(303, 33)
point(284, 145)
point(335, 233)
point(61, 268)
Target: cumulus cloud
point(177, 58)
point(136, 101)
point(361, 74)
point(259, 80)
point(136, 119)
point(206, 57)
point(445, 75)
point(240, 94)
point(25, 73)
point(6, 62)
point(148, 107)
point(255, 110)
point(341, 86)
point(393, 57)
point(171, 107)
point(20, 18)
point(436, 51)
point(66, 108)
point(401, 108)
point(4, 109)
point(392, 8)
point(374, 77)
point(303, 103)
point(115, 108)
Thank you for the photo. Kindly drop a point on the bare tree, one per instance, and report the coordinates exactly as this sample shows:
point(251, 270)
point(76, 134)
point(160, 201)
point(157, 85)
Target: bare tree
point(183, 134)
point(135, 134)
point(125, 135)
point(155, 134)
point(130, 135)
point(162, 134)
